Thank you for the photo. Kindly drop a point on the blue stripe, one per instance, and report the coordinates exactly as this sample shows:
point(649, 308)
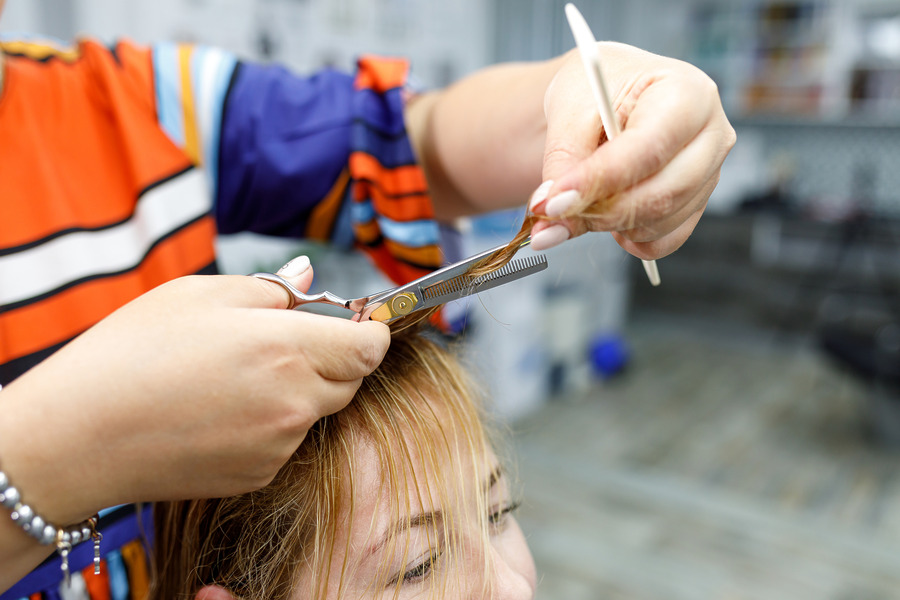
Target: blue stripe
point(168, 91)
point(410, 233)
point(362, 212)
point(48, 576)
point(118, 576)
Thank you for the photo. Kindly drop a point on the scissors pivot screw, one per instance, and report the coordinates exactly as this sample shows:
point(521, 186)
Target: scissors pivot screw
point(403, 304)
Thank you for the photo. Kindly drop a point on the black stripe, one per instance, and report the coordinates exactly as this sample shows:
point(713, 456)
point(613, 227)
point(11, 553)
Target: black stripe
point(44, 59)
point(226, 103)
point(377, 186)
point(70, 230)
point(68, 285)
point(114, 52)
point(16, 367)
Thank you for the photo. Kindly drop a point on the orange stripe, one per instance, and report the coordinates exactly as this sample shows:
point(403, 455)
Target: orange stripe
point(397, 271)
point(399, 180)
point(135, 560)
point(381, 74)
point(65, 315)
point(97, 585)
point(321, 220)
point(399, 194)
point(113, 150)
point(430, 256)
point(406, 208)
point(366, 233)
point(191, 139)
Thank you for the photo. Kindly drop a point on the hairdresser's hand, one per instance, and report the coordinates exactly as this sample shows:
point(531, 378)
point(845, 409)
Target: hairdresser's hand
point(200, 388)
point(650, 184)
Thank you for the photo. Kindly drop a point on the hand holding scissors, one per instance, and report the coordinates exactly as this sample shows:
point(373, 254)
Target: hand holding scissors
point(450, 283)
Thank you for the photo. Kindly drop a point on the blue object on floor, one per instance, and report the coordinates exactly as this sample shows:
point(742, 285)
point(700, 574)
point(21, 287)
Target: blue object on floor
point(608, 354)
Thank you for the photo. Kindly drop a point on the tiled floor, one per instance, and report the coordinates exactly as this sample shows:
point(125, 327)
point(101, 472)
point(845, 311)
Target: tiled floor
point(725, 464)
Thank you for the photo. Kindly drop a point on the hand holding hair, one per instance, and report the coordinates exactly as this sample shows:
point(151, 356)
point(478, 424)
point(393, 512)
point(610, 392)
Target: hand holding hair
point(650, 185)
point(191, 390)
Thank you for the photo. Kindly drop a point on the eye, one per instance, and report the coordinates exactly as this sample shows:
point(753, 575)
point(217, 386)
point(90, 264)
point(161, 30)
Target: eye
point(497, 519)
point(421, 570)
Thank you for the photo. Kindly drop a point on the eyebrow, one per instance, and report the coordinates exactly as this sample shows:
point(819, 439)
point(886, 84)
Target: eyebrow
point(428, 518)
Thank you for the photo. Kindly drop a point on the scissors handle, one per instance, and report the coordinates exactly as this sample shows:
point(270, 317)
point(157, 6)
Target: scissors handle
point(299, 298)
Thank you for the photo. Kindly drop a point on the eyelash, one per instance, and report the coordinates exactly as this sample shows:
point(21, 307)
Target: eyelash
point(422, 570)
point(497, 519)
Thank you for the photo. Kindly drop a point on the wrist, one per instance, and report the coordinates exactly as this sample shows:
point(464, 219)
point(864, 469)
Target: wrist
point(45, 531)
point(41, 467)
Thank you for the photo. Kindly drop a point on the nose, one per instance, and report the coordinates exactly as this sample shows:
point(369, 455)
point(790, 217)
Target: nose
point(513, 580)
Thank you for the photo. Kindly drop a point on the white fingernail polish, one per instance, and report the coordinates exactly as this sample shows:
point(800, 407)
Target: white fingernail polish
point(550, 237)
point(561, 203)
point(540, 194)
point(295, 267)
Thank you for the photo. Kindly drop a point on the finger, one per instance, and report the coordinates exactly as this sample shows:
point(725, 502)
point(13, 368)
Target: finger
point(330, 396)
point(666, 225)
point(664, 119)
point(298, 272)
point(656, 204)
point(573, 133)
point(267, 294)
point(342, 350)
point(663, 246)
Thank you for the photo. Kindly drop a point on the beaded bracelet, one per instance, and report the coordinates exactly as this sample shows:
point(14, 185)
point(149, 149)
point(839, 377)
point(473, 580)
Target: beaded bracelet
point(64, 538)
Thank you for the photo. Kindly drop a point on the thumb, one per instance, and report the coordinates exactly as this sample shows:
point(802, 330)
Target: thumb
point(298, 273)
point(353, 350)
point(573, 134)
point(262, 292)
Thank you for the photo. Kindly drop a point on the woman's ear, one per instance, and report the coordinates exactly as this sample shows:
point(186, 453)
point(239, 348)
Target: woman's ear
point(214, 592)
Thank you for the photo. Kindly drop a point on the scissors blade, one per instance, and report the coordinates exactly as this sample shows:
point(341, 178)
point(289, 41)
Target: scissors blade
point(449, 283)
point(464, 285)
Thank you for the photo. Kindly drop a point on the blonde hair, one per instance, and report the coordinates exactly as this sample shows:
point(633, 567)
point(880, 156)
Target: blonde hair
point(418, 407)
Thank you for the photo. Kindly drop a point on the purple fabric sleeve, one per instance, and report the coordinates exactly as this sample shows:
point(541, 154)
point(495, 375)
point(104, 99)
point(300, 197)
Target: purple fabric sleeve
point(284, 141)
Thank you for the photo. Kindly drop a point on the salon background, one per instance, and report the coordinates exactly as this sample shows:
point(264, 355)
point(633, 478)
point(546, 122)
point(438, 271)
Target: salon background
point(734, 433)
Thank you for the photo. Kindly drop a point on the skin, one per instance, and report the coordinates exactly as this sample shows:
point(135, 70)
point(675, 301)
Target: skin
point(196, 355)
point(538, 122)
point(176, 426)
point(513, 575)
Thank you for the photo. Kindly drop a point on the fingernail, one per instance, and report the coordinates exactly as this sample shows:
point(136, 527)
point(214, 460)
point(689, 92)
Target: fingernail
point(294, 267)
point(560, 204)
point(550, 237)
point(539, 195)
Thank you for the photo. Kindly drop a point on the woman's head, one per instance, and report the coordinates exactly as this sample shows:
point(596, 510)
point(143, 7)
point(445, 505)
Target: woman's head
point(399, 495)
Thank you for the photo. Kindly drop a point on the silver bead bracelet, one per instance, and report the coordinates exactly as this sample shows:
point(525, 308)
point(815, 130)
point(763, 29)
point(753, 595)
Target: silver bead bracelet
point(64, 538)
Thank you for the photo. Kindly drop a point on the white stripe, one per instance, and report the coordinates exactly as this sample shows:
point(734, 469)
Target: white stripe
point(211, 72)
point(83, 254)
point(167, 74)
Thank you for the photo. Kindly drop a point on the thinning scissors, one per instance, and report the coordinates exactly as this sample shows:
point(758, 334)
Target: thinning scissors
point(449, 283)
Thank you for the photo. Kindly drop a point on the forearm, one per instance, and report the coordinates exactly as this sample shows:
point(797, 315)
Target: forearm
point(33, 456)
point(19, 553)
point(481, 140)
